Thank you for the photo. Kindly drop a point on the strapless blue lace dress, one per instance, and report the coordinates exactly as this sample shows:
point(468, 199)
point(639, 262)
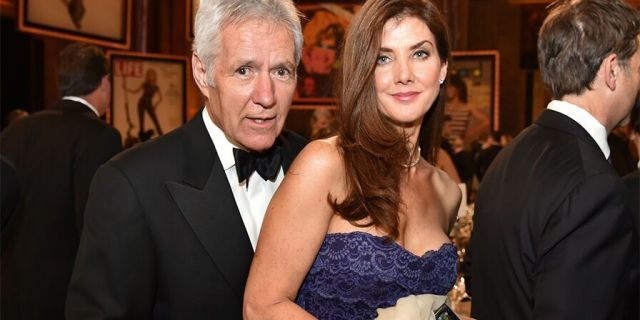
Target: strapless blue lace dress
point(355, 273)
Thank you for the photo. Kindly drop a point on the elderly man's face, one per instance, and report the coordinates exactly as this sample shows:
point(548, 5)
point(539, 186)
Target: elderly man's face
point(254, 79)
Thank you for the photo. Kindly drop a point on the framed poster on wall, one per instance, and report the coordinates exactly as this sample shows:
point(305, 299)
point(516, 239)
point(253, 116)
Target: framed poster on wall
point(105, 23)
point(312, 121)
point(472, 95)
point(148, 94)
point(324, 30)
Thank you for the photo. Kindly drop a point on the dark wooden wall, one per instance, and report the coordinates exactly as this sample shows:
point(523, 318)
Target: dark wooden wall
point(159, 26)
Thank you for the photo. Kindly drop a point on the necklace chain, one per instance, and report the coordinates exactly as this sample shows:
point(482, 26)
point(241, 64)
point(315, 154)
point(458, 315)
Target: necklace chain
point(413, 162)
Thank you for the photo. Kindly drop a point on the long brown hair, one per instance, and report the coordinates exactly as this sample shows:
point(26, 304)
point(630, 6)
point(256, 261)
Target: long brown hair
point(372, 148)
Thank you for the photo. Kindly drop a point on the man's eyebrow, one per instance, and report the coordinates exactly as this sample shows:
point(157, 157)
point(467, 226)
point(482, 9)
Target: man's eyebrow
point(244, 62)
point(285, 64)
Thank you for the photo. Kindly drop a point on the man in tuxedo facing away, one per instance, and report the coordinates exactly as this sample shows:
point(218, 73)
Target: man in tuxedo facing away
point(553, 233)
point(55, 153)
point(632, 180)
point(171, 225)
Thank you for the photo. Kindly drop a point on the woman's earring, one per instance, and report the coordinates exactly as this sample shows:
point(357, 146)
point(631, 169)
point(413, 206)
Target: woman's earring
point(441, 81)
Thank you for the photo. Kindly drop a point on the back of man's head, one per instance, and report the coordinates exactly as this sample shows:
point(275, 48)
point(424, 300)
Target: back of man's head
point(81, 68)
point(578, 35)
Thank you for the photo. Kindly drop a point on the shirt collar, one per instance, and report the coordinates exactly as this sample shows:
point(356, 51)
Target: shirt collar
point(595, 129)
point(223, 146)
point(83, 101)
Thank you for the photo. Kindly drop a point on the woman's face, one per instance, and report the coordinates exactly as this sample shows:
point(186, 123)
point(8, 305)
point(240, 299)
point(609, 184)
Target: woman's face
point(151, 76)
point(407, 71)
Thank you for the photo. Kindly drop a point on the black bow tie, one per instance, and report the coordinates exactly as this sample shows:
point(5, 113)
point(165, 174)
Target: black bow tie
point(267, 163)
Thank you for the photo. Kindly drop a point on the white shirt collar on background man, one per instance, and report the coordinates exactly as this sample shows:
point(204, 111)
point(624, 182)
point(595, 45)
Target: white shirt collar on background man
point(83, 101)
point(253, 198)
point(595, 129)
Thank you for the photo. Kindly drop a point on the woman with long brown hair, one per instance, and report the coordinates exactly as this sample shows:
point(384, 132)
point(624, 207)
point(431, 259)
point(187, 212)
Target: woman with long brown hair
point(362, 218)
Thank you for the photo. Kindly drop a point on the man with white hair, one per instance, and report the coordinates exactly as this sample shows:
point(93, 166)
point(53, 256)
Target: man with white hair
point(171, 225)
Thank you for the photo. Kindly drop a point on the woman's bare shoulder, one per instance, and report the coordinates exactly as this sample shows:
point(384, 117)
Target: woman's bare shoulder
point(318, 157)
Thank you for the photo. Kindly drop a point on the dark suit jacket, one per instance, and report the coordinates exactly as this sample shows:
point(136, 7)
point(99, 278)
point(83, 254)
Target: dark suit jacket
point(632, 180)
point(553, 234)
point(163, 237)
point(55, 153)
point(9, 190)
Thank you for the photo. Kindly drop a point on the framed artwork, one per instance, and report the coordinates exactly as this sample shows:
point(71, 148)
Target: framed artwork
point(148, 94)
point(105, 23)
point(192, 8)
point(324, 30)
point(472, 95)
point(313, 122)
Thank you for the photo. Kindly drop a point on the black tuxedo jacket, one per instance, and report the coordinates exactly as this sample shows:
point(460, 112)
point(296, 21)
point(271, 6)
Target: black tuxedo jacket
point(55, 153)
point(163, 237)
point(632, 180)
point(553, 234)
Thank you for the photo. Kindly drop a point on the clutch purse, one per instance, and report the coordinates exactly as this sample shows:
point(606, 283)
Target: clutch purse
point(445, 313)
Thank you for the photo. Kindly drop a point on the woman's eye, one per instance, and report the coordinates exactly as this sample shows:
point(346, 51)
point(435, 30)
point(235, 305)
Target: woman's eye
point(383, 59)
point(421, 54)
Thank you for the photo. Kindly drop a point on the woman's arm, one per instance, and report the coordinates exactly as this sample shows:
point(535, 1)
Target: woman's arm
point(481, 123)
point(159, 93)
point(293, 231)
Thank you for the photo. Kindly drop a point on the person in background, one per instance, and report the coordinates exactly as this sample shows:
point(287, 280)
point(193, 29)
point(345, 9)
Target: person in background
point(55, 153)
point(464, 120)
point(463, 161)
point(147, 104)
point(172, 224)
point(371, 224)
point(489, 149)
point(621, 157)
point(321, 124)
point(553, 235)
point(505, 138)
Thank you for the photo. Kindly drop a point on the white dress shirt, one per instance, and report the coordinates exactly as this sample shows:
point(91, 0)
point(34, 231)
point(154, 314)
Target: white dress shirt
point(595, 129)
point(83, 101)
point(252, 200)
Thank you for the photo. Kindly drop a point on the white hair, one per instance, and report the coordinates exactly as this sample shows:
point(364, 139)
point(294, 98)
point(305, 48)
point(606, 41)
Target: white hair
point(214, 15)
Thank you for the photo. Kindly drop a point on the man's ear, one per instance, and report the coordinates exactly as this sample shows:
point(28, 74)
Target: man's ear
point(611, 70)
point(200, 74)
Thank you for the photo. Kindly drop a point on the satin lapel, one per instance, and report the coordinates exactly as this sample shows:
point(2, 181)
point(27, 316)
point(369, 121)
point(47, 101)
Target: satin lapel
point(211, 211)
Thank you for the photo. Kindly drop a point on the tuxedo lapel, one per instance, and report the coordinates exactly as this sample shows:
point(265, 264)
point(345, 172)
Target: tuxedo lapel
point(210, 209)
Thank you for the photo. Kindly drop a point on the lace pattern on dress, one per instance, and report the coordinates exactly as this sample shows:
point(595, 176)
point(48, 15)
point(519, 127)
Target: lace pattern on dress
point(355, 273)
